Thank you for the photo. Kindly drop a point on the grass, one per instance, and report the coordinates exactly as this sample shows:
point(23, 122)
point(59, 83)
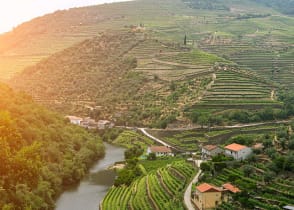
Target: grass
point(130, 139)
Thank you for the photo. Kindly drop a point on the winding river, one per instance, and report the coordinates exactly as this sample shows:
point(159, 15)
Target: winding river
point(91, 190)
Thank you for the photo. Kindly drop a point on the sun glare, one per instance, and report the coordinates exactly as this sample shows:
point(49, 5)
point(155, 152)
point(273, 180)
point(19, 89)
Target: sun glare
point(15, 12)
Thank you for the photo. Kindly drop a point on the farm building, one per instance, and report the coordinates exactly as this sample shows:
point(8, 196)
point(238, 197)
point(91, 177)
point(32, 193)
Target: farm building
point(75, 120)
point(238, 151)
point(160, 151)
point(89, 123)
point(207, 196)
point(209, 151)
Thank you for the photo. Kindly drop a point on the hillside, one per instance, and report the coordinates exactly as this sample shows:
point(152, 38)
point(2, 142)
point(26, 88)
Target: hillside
point(160, 188)
point(233, 58)
point(40, 153)
point(32, 41)
point(43, 36)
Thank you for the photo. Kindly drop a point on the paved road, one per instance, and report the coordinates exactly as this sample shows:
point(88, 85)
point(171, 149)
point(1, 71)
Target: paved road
point(218, 127)
point(143, 130)
point(187, 195)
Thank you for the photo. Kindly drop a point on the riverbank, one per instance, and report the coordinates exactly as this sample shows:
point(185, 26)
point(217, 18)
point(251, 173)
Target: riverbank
point(92, 189)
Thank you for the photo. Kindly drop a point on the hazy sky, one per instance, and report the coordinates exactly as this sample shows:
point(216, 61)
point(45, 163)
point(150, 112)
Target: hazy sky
point(14, 12)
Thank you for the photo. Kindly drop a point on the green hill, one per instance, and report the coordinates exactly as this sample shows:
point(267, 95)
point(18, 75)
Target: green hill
point(40, 153)
point(151, 77)
point(238, 25)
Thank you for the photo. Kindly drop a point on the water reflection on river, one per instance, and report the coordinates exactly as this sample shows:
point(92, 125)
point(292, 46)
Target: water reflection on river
point(88, 194)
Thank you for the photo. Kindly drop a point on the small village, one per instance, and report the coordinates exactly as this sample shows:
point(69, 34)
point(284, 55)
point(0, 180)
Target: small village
point(89, 123)
point(203, 195)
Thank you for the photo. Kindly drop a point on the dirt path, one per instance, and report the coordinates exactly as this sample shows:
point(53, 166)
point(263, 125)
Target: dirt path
point(175, 64)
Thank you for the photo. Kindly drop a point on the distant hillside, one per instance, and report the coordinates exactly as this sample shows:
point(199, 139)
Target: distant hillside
point(152, 74)
point(285, 6)
point(239, 24)
point(32, 41)
point(79, 73)
point(40, 153)
point(135, 80)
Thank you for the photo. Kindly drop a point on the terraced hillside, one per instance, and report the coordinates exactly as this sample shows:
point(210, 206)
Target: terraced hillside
point(37, 39)
point(274, 194)
point(159, 189)
point(240, 25)
point(191, 139)
point(132, 73)
point(170, 76)
point(233, 87)
point(76, 74)
point(263, 45)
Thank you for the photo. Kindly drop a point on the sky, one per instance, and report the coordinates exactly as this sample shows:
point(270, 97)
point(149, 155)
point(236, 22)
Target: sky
point(15, 12)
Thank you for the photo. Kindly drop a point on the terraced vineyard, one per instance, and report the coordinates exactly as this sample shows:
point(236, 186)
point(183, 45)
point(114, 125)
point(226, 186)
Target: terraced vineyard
point(271, 196)
point(270, 55)
point(159, 189)
point(130, 139)
point(231, 87)
point(171, 62)
point(189, 140)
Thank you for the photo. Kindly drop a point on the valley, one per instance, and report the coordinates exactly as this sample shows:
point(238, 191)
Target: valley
point(183, 74)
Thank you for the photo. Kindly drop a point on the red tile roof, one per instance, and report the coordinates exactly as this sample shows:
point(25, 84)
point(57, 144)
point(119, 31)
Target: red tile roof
point(231, 188)
point(207, 188)
point(160, 149)
point(210, 147)
point(235, 147)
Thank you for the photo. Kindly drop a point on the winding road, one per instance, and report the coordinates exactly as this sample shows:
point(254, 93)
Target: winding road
point(187, 195)
point(143, 130)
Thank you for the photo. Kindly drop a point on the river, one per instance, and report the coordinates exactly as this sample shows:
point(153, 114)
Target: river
point(92, 189)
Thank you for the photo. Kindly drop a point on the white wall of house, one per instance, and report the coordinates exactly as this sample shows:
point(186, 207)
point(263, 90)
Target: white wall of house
point(211, 153)
point(239, 155)
point(76, 121)
point(159, 154)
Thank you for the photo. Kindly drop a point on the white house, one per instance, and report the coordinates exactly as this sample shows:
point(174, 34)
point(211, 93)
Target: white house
point(238, 151)
point(75, 120)
point(160, 151)
point(89, 123)
point(210, 151)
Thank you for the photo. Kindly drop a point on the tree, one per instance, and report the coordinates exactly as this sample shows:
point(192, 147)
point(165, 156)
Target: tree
point(151, 156)
point(205, 166)
point(291, 144)
point(133, 152)
point(203, 120)
point(247, 170)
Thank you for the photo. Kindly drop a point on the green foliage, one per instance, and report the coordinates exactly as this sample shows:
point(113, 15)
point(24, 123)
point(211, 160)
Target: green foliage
point(151, 156)
point(133, 152)
point(151, 165)
point(40, 153)
point(130, 139)
point(205, 166)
